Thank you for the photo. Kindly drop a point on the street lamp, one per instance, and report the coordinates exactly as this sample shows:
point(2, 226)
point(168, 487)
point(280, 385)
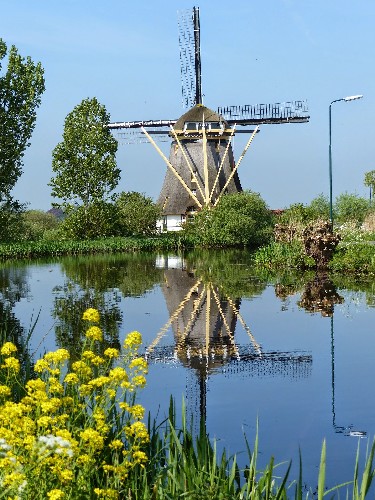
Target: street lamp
point(349, 98)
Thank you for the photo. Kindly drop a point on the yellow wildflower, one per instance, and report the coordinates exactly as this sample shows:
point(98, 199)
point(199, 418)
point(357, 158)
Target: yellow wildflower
point(106, 493)
point(11, 364)
point(111, 393)
point(71, 378)
point(55, 494)
point(92, 438)
point(140, 457)
point(118, 374)
point(111, 352)
point(116, 444)
point(82, 369)
point(133, 339)
point(91, 315)
point(55, 386)
point(66, 475)
point(41, 365)
point(137, 430)
point(52, 405)
point(58, 356)
point(137, 411)
point(83, 459)
point(35, 386)
point(44, 421)
point(8, 348)
point(140, 364)
point(97, 360)
point(4, 391)
point(94, 333)
point(139, 381)
point(99, 381)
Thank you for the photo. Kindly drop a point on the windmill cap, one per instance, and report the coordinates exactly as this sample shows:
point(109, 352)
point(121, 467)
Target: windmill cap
point(197, 114)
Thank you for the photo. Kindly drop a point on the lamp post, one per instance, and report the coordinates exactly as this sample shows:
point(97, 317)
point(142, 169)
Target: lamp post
point(349, 98)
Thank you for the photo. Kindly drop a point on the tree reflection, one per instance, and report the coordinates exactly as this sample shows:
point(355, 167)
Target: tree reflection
point(99, 281)
point(13, 287)
point(132, 273)
point(69, 305)
point(320, 295)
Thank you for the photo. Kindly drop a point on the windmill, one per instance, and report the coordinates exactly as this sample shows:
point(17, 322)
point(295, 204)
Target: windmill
point(201, 166)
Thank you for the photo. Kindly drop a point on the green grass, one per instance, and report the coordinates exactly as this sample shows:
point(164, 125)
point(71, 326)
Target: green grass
point(109, 245)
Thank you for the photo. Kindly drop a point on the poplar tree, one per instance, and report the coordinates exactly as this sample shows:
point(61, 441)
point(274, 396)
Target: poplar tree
point(21, 87)
point(85, 161)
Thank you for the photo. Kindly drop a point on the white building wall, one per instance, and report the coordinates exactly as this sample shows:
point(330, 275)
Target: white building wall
point(170, 223)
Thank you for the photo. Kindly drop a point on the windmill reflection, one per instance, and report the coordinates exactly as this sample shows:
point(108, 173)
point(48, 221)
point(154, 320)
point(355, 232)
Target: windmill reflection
point(203, 321)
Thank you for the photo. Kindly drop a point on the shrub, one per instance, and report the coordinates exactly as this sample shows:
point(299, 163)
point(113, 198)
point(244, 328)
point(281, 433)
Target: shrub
point(36, 223)
point(350, 207)
point(241, 219)
point(97, 220)
point(319, 207)
point(137, 213)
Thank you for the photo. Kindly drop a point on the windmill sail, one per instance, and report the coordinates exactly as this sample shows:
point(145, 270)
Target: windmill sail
point(189, 41)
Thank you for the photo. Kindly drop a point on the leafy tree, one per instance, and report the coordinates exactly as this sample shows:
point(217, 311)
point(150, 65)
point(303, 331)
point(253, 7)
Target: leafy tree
point(21, 88)
point(85, 160)
point(240, 219)
point(138, 214)
point(369, 181)
point(11, 222)
point(350, 207)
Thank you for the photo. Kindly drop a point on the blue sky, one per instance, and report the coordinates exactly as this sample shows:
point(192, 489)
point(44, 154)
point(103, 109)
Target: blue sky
point(126, 54)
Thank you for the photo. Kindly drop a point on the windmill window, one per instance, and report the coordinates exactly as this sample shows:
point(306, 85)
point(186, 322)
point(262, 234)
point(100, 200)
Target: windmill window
point(194, 192)
point(191, 126)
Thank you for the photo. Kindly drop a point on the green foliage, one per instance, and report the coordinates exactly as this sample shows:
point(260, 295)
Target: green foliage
point(241, 219)
point(319, 207)
point(20, 95)
point(11, 222)
point(85, 161)
point(36, 223)
point(138, 214)
point(370, 179)
point(97, 220)
point(296, 213)
point(354, 258)
point(350, 207)
point(283, 255)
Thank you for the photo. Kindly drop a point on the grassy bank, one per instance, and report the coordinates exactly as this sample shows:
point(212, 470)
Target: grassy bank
point(42, 248)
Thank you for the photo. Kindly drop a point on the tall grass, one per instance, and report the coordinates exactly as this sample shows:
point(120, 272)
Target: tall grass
point(184, 466)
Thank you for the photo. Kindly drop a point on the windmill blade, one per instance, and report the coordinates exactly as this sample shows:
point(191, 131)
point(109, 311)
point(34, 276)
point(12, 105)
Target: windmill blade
point(134, 136)
point(279, 112)
point(189, 42)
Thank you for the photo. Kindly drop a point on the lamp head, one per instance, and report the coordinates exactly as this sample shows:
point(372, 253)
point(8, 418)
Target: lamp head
point(353, 97)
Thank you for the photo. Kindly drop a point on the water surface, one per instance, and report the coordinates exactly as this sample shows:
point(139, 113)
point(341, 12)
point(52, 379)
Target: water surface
point(293, 353)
